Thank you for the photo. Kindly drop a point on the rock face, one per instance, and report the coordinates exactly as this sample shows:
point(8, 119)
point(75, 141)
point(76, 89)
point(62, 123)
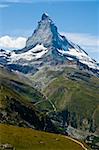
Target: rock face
point(47, 47)
point(43, 33)
point(46, 33)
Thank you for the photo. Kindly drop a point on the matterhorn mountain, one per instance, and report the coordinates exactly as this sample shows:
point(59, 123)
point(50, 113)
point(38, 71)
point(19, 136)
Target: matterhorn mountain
point(47, 47)
point(50, 85)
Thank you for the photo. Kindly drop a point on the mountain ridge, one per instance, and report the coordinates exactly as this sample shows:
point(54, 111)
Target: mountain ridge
point(47, 47)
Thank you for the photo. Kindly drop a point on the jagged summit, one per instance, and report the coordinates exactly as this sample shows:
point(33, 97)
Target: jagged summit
point(45, 32)
point(45, 16)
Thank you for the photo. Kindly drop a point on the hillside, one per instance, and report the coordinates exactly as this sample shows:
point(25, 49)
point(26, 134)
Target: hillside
point(17, 108)
point(17, 103)
point(74, 95)
point(68, 101)
point(29, 139)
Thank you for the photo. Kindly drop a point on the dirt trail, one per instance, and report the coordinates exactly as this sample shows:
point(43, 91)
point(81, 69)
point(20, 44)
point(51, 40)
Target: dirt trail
point(82, 145)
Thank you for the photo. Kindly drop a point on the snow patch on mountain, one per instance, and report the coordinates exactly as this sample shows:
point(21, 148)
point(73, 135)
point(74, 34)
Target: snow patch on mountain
point(35, 53)
point(4, 53)
point(80, 55)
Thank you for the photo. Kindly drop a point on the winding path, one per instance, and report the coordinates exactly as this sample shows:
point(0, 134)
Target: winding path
point(82, 145)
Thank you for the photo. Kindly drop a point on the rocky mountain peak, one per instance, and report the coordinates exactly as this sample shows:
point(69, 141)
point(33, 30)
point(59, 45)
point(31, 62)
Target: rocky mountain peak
point(45, 32)
point(45, 16)
point(47, 46)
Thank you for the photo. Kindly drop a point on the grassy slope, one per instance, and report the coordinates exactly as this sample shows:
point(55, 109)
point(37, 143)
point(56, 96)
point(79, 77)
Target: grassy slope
point(17, 85)
point(77, 97)
point(28, 139)
point(18, 88)
point(17, 98)
point(62, 91)
point(73, 90)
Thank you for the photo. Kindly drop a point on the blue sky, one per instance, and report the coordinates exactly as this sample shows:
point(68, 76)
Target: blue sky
point(78, 20)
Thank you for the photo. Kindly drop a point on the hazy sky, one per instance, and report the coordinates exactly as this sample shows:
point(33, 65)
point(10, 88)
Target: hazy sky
point(78, 20)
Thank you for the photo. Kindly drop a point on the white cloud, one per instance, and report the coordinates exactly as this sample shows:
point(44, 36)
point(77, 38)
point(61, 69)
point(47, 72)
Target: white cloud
point(12, 43)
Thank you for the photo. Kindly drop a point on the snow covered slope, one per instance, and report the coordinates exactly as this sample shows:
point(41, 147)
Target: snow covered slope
point(33, 54)
point(80, 55)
